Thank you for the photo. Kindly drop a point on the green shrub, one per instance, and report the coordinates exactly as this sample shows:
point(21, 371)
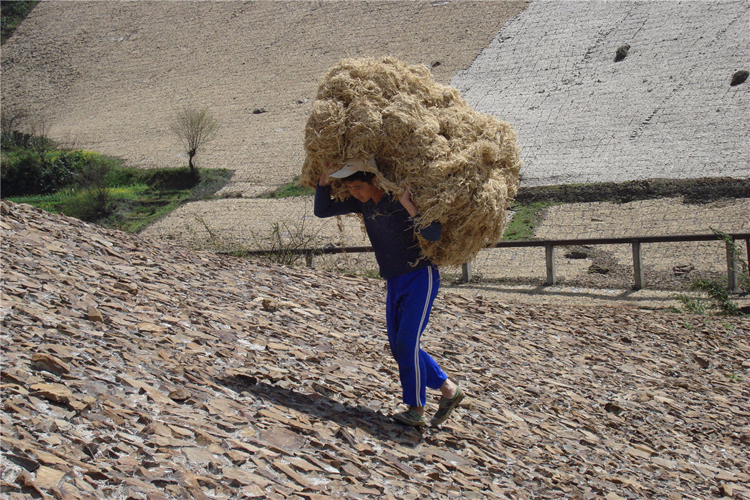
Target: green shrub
point(89, 205)
point(16, 140)
point(97, 203)
point(92, 174)
point(20, 172)
point(26, 172)
point(29, 172)
point(12, 15)
point(59, 172)
point(717, 294)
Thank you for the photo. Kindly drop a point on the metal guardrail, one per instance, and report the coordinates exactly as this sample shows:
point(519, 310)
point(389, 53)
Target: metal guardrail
point(549, 249)
point(636, 243)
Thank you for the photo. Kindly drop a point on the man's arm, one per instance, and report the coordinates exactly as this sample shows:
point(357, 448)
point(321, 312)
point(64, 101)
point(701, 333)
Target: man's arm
point(434, 231)
point(325, 206)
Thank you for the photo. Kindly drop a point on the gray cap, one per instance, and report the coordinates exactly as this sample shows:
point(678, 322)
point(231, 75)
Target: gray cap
point(353, 166)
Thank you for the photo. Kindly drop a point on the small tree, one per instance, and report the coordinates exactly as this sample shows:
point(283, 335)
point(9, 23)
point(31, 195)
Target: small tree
point(194, 127)
point(96, 202)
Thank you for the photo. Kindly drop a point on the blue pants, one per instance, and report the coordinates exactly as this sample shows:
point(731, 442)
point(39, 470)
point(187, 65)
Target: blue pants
point(407, 311)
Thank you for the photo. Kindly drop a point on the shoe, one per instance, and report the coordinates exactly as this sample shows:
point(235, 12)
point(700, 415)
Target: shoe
point(446, 407)
point(410, 417)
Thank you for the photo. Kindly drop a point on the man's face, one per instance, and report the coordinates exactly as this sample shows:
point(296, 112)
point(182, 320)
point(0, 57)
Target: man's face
point(363, 191)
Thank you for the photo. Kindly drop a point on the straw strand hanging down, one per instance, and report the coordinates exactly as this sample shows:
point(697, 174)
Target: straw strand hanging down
point(460, 165)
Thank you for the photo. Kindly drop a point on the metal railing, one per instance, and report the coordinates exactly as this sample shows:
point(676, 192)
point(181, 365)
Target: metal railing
point(549, 250)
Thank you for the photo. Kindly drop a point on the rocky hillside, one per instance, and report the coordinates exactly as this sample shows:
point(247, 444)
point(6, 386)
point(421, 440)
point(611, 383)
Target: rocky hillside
point(133, 369)
point(110, 76)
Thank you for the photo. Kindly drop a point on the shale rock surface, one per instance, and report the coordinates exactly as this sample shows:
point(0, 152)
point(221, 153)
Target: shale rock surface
point(135, 369)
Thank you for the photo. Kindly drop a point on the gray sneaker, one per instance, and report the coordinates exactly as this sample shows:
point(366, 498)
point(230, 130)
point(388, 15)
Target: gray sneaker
point(446, 407)
point(410, 417)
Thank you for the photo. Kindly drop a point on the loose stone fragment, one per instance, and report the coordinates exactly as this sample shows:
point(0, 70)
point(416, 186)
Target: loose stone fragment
point(56, 393)
point(49, 363)
point(93, 314)
point(180, 394)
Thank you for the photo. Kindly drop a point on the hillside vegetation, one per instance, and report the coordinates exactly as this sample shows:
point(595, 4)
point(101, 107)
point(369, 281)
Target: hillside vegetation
point(12, 14)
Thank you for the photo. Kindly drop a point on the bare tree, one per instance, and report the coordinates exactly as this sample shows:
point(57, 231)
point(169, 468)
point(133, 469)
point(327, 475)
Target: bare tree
point(10, 119)
point(194, 127)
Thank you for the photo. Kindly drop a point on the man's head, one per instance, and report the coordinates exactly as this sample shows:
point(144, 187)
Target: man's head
point(356, 166)
point(359, 178)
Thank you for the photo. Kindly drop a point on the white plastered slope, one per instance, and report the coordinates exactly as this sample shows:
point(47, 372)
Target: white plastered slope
point(666, 111)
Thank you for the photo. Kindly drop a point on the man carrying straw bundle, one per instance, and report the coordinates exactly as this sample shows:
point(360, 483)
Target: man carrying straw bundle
point(412, 281)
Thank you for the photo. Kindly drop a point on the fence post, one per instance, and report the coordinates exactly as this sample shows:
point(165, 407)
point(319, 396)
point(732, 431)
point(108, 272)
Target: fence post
point(466, 272)
point(637, 266)
point(549, 254)
point(731, 268)
point(309, 260)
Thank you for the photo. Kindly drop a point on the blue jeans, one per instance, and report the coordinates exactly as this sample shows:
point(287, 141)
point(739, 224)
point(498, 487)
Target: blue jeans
point(407, 310)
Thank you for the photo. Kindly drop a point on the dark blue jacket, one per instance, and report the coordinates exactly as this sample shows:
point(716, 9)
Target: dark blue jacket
point(390, 228)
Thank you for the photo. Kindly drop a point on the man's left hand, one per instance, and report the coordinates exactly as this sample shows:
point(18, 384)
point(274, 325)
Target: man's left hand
point(405, 200)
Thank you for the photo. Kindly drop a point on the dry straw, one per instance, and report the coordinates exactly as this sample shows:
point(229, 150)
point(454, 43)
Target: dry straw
point(460, 165)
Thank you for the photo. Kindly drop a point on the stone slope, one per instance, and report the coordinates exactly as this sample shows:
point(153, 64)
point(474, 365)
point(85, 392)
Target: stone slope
point(134, 369)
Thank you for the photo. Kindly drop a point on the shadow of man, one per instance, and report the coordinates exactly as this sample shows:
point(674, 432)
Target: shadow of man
point(321, 407)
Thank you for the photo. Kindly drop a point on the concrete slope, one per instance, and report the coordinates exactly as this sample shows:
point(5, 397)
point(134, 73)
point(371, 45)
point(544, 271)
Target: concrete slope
point(666, 111)
point(109, 76)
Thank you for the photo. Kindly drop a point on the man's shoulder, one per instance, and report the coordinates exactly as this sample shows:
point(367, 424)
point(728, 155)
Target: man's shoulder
point(389, 202)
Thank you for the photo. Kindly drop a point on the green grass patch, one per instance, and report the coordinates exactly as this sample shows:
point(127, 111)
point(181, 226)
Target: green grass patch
point(136, 197)
point(134, 215)
point(290, 190)
point(52, 202)
point(526, 219)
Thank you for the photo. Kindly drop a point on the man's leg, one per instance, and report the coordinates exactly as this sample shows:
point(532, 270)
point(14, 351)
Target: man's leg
point(409, 304)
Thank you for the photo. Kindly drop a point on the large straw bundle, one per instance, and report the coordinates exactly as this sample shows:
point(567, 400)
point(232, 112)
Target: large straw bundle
point(461, 166)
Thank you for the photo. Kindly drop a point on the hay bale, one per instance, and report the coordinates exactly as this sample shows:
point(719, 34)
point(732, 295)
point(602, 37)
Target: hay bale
point(460, 165)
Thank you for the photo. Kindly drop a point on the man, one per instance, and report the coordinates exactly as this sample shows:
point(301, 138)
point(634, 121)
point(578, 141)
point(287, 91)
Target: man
point(412, 282)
